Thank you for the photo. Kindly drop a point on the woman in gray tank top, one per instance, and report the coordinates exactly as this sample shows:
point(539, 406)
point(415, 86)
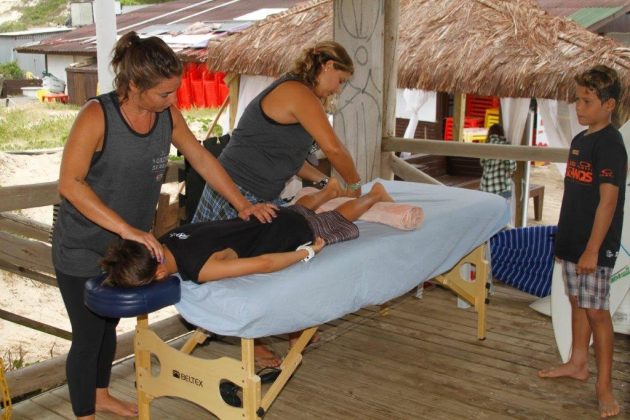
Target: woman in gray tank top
point(277, 129)
point(275, 134)
point(111, 173)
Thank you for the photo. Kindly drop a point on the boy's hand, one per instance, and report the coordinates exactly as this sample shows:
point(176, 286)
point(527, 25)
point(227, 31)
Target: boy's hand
point(587, 263)
point(318, 245)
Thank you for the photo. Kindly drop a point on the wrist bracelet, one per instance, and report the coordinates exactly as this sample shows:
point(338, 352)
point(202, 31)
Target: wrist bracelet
point(309, 249)
point(355, 186)
point(324, 181)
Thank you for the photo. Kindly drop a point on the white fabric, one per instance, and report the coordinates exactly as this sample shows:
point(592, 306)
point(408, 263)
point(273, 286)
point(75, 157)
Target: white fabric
point(514, 113)
point(381, 264)
point(249, 87)
point(414, 100)
point(559, 123)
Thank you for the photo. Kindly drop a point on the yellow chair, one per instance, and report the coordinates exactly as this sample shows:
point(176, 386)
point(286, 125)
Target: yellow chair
point(492, 117)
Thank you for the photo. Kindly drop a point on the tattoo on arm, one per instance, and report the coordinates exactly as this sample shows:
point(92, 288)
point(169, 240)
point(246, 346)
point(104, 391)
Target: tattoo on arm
point(80, 180)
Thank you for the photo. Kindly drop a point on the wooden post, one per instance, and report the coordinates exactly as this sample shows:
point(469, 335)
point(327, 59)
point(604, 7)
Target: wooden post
point(459, 111)
point(233, 83)
point(359, 118)
point(390, 64)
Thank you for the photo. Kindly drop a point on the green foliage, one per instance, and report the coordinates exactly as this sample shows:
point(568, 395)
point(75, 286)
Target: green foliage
point(27, 129)
point(46, 125)
point(11, 70)
point(45, 13)
point(12, 26)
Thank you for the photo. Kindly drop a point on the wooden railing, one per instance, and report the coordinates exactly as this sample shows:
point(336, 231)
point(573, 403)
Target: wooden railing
point(25, 250)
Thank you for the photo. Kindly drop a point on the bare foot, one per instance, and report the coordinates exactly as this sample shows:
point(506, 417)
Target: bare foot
point(608, 407)
point(379, 190)
point(568, 369)
point(106, 402)
point(264, 357)
point(333, 188)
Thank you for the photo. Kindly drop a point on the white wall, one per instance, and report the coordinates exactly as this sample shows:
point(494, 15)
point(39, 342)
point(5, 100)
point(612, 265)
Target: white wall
point(57, 65)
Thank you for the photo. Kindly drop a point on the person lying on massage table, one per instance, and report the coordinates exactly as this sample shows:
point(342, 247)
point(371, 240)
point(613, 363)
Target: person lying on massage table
point(221, 249)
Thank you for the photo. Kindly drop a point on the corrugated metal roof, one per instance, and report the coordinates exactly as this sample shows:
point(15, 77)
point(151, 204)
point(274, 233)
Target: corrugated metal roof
point(566, 8)
point(174, 15)
point(590, 16)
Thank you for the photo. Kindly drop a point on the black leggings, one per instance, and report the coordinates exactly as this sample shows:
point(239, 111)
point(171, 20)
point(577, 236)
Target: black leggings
point(89, 362)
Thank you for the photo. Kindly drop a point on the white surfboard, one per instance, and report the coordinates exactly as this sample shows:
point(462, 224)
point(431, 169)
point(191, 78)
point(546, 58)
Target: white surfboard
point(619, 287)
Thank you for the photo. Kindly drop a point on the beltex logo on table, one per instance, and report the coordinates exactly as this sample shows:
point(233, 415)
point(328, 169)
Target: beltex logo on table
point(184, 377)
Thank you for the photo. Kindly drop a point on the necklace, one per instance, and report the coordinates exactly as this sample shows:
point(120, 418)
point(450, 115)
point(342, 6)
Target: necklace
point(130, 122)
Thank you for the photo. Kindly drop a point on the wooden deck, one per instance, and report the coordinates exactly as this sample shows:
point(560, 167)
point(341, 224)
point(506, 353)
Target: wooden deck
point(419, 361)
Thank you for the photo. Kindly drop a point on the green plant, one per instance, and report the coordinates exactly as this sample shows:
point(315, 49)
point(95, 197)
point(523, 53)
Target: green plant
point(24, 129)
point(15, 361)
point(13, 26)
point(11, 70)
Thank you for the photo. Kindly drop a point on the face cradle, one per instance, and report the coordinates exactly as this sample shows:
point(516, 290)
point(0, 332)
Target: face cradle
point(590, 109)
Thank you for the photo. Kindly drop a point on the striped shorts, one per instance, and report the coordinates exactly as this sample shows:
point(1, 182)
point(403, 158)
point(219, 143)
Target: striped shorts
point(212, 205)
point(331, 226)
point(592, 290)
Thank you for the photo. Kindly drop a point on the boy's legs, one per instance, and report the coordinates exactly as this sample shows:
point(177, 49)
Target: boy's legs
point(315, 200)
point(353, 209)
point(589, 295)
point(603, 341)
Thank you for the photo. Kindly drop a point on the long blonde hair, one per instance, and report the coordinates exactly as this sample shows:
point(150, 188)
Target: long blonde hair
point(312, 60)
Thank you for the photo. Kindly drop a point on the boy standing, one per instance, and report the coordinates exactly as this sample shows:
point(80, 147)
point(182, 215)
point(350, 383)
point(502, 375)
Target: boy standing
point(589, 230)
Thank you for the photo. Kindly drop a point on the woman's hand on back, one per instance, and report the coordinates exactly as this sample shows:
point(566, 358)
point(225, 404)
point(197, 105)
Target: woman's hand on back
point(264, 212)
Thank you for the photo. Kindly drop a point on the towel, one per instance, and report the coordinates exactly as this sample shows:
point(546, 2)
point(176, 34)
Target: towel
point(397, 215)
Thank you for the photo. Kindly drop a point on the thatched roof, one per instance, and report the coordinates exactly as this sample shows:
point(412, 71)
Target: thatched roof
point(507, 48)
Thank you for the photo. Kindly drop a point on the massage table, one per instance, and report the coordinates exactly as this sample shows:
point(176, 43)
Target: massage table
point(382, 264)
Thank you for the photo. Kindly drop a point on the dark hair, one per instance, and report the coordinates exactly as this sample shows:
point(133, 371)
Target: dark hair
point(145, 62)
point(496, 129)
point(128, 264)
point(603, 81)
point(309, 64)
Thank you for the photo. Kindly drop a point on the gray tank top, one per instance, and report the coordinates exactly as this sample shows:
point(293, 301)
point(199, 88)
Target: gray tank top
point(262, 154)
point(127, 176)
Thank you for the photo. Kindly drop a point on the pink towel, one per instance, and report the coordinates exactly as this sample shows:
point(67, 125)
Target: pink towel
point(397, 215)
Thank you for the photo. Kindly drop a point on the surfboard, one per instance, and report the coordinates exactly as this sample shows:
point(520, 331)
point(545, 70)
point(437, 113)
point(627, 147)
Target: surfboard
point(619, 287)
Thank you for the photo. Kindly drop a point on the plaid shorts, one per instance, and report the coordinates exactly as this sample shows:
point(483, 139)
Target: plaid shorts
point(212, 205)
point(592, 290)
point(331, 226)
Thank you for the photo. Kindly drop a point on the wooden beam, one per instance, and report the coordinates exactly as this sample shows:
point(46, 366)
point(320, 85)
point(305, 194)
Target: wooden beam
point(233, 83)
point(480, 150)
point(26, 253)
point(28, 196)
point(28, 273)
point(408, 172)
point(36, 325)
point(49, 373)
point(390, 64)
point(459, 112)
point(23, 226)
point(359, 118)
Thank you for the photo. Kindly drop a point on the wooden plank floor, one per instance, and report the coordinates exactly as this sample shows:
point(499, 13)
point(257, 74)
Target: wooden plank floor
point(419, 361)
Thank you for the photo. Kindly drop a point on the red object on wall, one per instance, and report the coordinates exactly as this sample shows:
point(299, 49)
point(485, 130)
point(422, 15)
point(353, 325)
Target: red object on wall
point(469, 122)
point(201, 87)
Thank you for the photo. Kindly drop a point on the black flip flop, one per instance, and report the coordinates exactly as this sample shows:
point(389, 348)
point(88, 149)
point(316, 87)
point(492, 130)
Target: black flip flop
point(228, 391)
point(268, 375)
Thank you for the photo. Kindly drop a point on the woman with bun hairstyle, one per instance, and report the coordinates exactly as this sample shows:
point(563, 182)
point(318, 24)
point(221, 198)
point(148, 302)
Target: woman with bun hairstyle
point(110, 178)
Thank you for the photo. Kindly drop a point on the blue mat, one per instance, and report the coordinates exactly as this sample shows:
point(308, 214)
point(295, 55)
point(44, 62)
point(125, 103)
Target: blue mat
point(523, 258)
